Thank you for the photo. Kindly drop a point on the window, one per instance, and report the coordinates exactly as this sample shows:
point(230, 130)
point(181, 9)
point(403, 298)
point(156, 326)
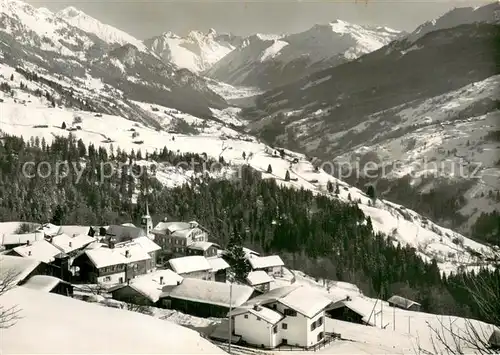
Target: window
point(313, 326)
point(275, 329)
point(107, 279)
point(320, 321)
point(121, 280)
point(246, 316)
point(258, 318)
point(275, 306)
point(290, 312)
point(284, 325)
point(320, 336)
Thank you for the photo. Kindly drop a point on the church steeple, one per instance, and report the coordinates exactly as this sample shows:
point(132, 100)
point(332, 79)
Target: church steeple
point(147, 222)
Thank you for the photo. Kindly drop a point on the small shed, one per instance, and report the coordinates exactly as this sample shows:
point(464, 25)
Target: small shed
point(49, 284)
point(494, 340)
point(404, 303)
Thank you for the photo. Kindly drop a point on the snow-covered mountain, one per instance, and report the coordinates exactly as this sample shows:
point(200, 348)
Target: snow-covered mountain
point(197, 51)
point(267, 61)
point(459, 16)
point(107, 33)
point(408, 102)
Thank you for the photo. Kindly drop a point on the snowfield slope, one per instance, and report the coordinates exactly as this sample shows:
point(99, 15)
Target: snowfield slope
point(59, 325)
point(268, 61)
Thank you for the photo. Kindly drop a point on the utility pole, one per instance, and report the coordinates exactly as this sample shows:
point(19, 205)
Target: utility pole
point(382, 314)
point(393, 318)
point(230, 315)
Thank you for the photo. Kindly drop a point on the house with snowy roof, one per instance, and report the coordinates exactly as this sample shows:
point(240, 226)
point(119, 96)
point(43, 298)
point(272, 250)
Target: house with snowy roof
point(355, 310)
point(11, 241)
point(40, 250)
point(219, 268)
point(113, 265)
point(71, 244)
point(145, 289)
point(49, 229)
point(205, 298)
point(50, 284)
point(195, 266)
point(206, 249)
point(291, 315)
point(175, 237)
point(259, 280)
point(271, 264)
point(17, 270)
point(122, 233)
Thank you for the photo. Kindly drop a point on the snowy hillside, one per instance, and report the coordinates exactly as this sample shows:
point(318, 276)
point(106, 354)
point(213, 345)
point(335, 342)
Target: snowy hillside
point(268, 61)
point(403, 225)
point(89, 24)
point(57, 324)
point(197, 51)
point(445, 137)
point(459, 16)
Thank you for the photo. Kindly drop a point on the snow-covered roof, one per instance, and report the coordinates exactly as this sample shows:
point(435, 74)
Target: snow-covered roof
point(306, 301)
point(50, 229)
point(269, 315)
point(171, 226)
point(402, 302)
point(42, 283)
point(201, 245)
point(187, 264)
point(124, 232)
point(144, 242)
point(211, 292)
point(217, 263)
point(11, 239)
point(149, 284)
point(250, 252)
point(75, 230)
point(57, 325)
point(16, 268)
point(40, 250)
point(494, 339)
point(260, 262)
point(103, 257)
point(258, 278)
point(68, 244)
point(361, 306)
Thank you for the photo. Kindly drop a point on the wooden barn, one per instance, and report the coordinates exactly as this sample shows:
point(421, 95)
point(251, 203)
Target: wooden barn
point(205, 298)
point(404, 303)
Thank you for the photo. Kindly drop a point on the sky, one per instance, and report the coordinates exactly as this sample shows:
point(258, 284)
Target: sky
point(145, 19)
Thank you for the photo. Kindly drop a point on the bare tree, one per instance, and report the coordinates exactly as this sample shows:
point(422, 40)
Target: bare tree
point(457, 336)
point(8, 315)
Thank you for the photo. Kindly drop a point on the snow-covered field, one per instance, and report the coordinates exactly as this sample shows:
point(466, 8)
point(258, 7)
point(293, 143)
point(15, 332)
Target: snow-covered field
point(55, 324)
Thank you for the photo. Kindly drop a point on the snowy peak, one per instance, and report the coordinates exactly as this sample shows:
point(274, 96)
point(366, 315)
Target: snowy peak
point(196, 52)
point(489, 13)
point(107, 33)
point(267, 61)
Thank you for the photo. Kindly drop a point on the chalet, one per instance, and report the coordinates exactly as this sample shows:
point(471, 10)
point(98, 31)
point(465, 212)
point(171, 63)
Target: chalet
point(40, 250)
point(71, 245)
point(145, 289)
point(259, 280)
point(146, 244)
point(49, 229)
point(494, 340)
point(123, 233)
point(219, 268)
point(175, 237)
point(290, 315)
point(355, 310)
point(19, 269)
point(12, 241)
point(113, 265)
point(272, 264)
point(205, 298)
point(196, 267)
point(49, 284)
point(404, 303)
point(206, 249)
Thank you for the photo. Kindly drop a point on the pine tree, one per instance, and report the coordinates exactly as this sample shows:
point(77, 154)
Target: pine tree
point(12, 77)
point(337, 189)
point(287, 176)
point(244, 155)
point(370, 191)
point(269, 169)
point(63, 126)
point(329, 186)
point(58, 216)
point(237, 258)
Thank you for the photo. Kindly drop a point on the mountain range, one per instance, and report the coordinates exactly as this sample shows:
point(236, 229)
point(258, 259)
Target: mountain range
point(337, 92)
